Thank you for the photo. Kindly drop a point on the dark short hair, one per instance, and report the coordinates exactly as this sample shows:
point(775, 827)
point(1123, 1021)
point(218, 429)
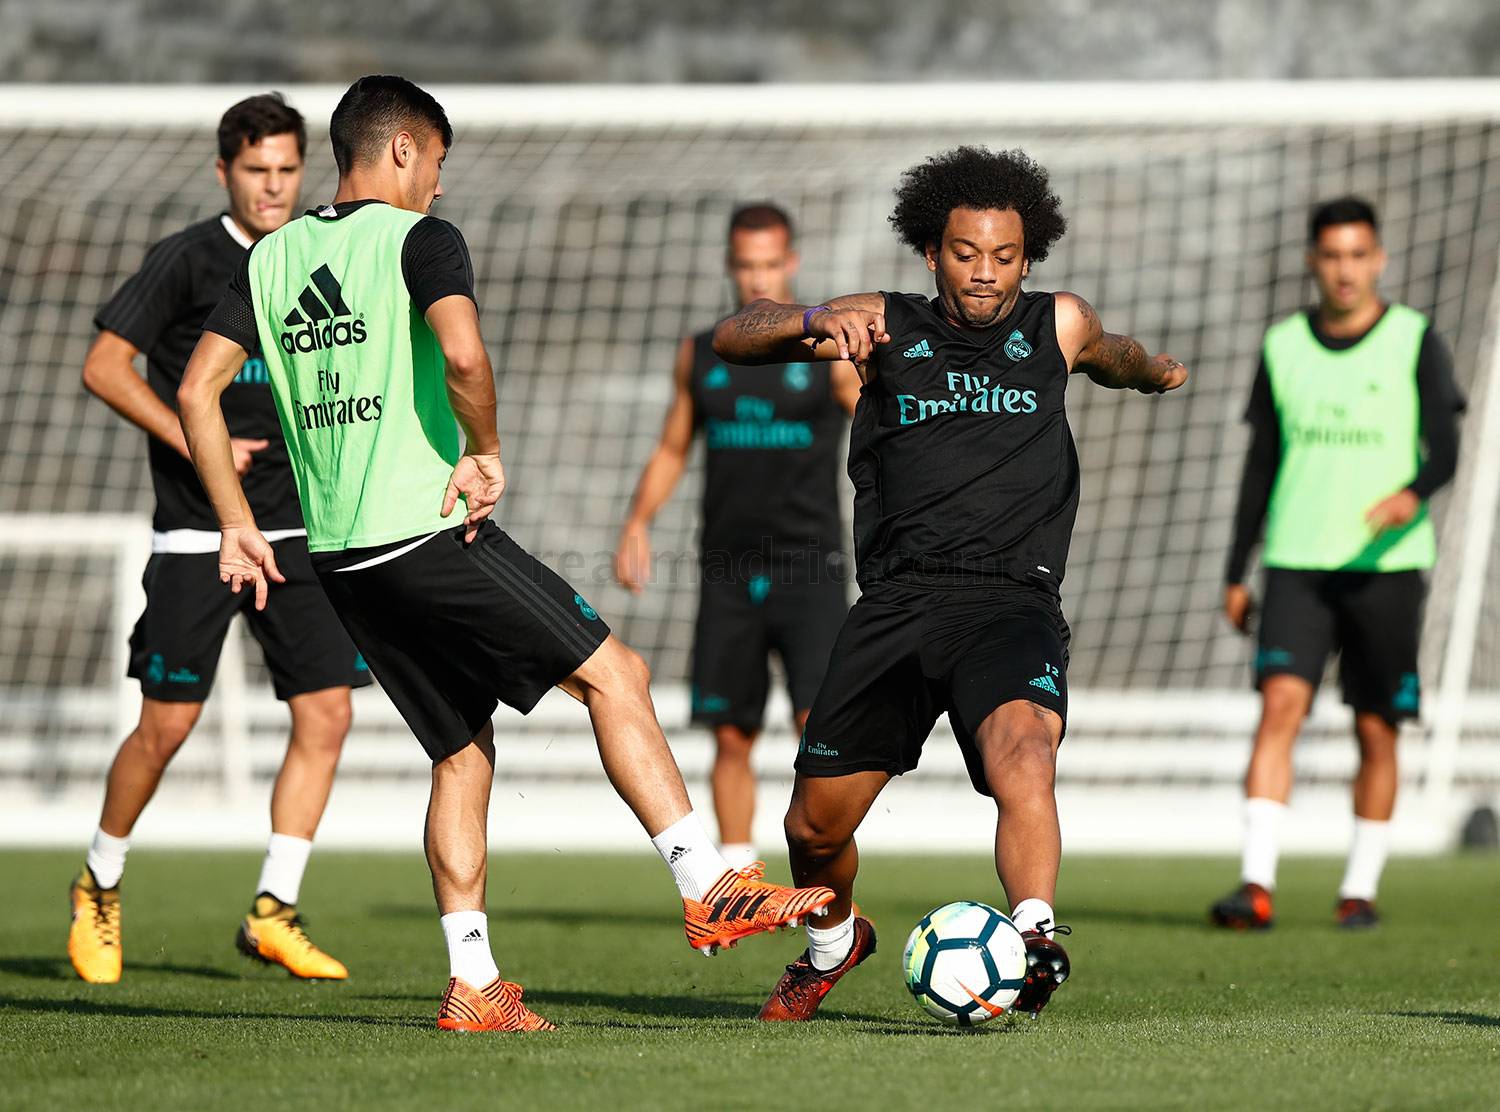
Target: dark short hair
point(1343, 210)
point(254, 118)
point(758, 217)
point(377, 107)
point(977, 178)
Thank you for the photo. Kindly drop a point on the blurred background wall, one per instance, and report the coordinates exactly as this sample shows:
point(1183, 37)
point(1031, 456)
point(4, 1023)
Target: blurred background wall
point(721, 40)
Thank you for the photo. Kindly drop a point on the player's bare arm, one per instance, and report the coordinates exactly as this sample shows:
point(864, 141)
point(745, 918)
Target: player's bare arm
point(478, 477)
point(659, 477)
point(109, 374)
point(245, 557)
point(765, 331)
point(1114, 361)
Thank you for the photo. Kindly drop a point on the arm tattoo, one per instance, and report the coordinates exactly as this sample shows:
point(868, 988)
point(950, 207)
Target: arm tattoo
point(1119, 362)
point(1090, 318)
point(761, 322)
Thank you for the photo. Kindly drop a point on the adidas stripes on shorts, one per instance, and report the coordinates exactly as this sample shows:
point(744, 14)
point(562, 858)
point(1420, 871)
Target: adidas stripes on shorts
point(908, 654)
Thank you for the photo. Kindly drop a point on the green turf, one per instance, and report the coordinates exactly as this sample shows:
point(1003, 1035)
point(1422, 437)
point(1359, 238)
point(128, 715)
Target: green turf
point(1161, 1013)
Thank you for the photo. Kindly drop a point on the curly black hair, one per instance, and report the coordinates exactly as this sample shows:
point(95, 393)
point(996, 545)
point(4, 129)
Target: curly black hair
point(978, 178)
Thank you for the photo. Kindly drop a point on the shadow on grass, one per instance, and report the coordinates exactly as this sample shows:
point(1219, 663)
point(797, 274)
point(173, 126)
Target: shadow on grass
point(1463, 1019)
point(687, 1010)
point(552, 916)
point(120, 1010)
point(1130, 916)
point(60, 969)
point(651, 1011)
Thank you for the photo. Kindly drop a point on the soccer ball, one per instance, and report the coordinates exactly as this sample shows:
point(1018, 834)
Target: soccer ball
point(965, 963)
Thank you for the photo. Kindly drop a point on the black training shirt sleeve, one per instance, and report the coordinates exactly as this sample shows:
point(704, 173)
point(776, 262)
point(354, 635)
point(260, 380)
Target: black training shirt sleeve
point(1261, 463)
point(1441, 402)
point(151, 298)
point(234, 316)
point(435, 263)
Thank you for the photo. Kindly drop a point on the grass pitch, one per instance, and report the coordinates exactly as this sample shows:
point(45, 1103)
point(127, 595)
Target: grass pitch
point(1161, 1011)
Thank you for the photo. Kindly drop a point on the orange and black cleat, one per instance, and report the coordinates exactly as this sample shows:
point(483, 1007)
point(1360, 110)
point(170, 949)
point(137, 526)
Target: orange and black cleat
point(496, 1007)
point(273, 934)
point(1247, 908)
point(802, 987)
point(741, 904)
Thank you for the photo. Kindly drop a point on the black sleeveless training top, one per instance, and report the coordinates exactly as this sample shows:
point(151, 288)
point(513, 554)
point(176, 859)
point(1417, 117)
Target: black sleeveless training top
point(963, 464)
point(770, 495)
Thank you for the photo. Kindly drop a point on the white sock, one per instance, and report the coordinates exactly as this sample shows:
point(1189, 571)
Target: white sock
point(1262, 842)
point(469, 957)
point(691, 855)
point(106, 858)
point(1034, 915)
point(831, 945)
point(1366, 859)
point(286, 860)
point(738, 854)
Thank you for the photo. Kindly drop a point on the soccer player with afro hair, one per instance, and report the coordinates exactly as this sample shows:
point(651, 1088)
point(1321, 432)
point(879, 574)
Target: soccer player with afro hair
point(966, 489)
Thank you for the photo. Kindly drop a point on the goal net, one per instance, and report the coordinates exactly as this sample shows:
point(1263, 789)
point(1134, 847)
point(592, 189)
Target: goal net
point(596, 218)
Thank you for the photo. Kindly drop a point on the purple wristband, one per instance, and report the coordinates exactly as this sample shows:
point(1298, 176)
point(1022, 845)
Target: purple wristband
point(808, 316)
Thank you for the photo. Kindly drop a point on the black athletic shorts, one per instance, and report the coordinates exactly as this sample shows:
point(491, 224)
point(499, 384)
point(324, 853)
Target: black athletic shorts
point(908, 654)
point(1373, 620)
point(174, 649)
point(452, 629)
point(739, 624)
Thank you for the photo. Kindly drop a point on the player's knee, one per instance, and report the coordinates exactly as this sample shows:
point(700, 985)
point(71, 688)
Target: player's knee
point(1022, 764)
point(627, 669)
point(812, 840)
point(160, 736)
point(1282, 708)
point(320, 724)
point(733, 744)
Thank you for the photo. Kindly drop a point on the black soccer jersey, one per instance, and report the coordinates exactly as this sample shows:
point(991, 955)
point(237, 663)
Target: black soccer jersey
point(963, 463)
point(770, 496)
point(161, 309)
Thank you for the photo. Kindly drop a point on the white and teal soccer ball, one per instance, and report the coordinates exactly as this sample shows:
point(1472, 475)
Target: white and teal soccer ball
point(965, 963)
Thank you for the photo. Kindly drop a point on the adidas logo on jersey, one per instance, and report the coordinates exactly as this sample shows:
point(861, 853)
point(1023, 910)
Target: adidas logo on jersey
point(919, 350)
point(316, 323)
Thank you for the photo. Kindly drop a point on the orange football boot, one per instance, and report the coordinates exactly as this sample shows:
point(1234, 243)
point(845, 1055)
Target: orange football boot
point(94, 938)
point(740, 904)
point(496, 1007)
point(272, 933)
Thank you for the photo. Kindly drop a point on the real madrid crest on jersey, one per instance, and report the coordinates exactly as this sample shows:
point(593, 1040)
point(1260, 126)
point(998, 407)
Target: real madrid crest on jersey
point(797, 376)
point(1016, 347)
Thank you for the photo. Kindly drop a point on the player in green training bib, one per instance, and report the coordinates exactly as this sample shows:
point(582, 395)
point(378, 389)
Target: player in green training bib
point(366, 312)
point(1354, 426)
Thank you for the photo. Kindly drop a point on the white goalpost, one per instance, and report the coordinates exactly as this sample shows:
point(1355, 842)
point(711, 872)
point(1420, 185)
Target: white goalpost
point(596, 216)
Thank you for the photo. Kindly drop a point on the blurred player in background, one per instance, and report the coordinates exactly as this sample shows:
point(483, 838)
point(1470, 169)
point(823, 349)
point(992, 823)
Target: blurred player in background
point(1354, 426)
point(367, 314)
point(966, 488)
point(772, 539)
point(175, 647)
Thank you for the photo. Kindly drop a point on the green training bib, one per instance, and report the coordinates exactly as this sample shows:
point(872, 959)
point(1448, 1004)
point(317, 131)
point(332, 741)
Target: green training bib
point(1350, 436)
point(358, 378)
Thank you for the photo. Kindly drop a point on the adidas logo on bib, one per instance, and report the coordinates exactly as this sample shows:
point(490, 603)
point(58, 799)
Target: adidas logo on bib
point(919, 350)
point(315, 324)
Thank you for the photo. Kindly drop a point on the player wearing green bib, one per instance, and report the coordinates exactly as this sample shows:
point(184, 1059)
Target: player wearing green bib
point(365, 310)
point(1354, 426)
